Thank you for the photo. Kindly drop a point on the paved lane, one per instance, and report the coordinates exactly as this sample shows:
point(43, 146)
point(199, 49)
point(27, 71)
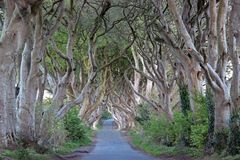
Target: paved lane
point(112, 146)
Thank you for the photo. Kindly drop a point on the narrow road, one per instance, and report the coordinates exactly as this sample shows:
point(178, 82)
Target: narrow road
point(112, 146)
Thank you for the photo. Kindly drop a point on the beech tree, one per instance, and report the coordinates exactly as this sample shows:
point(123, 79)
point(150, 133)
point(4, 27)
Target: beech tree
point(15, 33)
point(117, 55)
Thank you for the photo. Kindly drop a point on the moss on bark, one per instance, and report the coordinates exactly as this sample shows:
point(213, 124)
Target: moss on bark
point(209, 148)
point(234, 134)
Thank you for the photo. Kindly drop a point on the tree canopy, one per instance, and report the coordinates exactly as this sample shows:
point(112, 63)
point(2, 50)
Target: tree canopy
point(119, 56)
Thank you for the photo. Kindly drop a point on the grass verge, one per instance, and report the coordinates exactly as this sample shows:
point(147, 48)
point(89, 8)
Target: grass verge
point(31, 154)
point(24, 154)
point(70, 146)
point(158, 150)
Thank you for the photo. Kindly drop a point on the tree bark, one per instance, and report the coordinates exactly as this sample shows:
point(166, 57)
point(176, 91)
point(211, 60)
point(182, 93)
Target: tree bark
point(137, 76)
point(13, 37)
point(234, 49)
point(28, 103)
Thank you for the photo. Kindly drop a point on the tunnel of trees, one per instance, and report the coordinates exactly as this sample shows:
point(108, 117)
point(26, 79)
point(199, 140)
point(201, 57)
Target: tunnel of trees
point(171, 62)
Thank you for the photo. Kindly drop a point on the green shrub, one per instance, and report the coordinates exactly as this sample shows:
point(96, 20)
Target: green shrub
point(192, 128)
point(182, 127)
point(209, 146)
point(184, 118)
point(187, 128)
point(199, 128)
point(143, 113)
point(70, 146)
point(76, 130)
point(106, 114)
point(23, 154)
point(201, 113)
point(160, 130)
point(158, 149)
point(236, 157)
point(198, 135)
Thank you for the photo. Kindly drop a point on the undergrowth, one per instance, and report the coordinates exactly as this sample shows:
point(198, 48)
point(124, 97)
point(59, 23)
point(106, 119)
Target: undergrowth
point(77, 135)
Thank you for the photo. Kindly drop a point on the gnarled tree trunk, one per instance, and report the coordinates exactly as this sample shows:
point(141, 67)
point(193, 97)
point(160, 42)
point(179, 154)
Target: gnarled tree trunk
point(13, 37)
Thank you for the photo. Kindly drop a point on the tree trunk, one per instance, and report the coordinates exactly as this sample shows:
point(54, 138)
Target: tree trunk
point(7, 100)
point(12, 40)
point(24, 71)
point(222, 115)
point(234, 49)
point(28, 105)
point(3, 106)
point(167, 106)
point(193, 82)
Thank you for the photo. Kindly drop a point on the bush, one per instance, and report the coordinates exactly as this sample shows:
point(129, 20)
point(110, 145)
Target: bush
point(22, 154)
point(183, 120)
point(157, 150)
point(106, 114)
point(76, 130)
point(160, 130)
point(199, 128)
point(192, 128)
point(198, 135)
point(143, 113)
point(186, 129)
point(58, 133)
point(182, 127)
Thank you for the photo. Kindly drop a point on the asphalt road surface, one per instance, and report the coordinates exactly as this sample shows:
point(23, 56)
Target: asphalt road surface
point(112, 146)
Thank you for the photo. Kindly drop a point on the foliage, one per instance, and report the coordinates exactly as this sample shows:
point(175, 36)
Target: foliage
point(77, 135)
point(211, 119)
point(198, 135)
point(24, 154)
point(185, 127)
point(182, 127)
point(154, 149)
point(185, 100)
point(234, 133)
point(160, 130)
point(184, 119)
point(106, 114)
point(193, 127)
point(70, 146)
point(58, 133)
point(143, 113)
point(220, 140)
point(199, 128)
point(31, 154)
point(221, 157)
point(28, 154)
point(76, 129)
point(147, 145)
